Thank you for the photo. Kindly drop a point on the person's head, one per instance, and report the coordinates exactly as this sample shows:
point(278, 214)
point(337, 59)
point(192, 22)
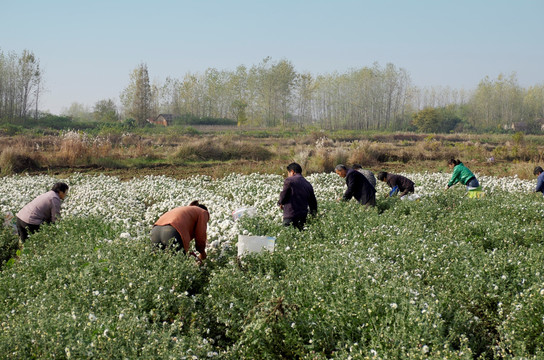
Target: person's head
point(452, 162)
point(341, 170)
point(382, 175)
point(356, 167)
point(294, 168)
point(537, 170)
point(61, 189)
point(195, 203)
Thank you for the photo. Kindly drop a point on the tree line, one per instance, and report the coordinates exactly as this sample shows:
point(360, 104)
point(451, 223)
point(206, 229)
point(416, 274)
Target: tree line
point(20, 80)
point(272, 93)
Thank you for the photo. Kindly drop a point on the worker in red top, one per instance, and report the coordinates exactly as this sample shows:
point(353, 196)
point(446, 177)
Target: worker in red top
point(179, 226)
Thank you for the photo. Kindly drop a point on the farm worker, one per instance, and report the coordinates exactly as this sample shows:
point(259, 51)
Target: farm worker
point(461, 174)
point(296, 197)
point(367, 173)
point(358, 186)
point(44, 208)
point(540, 180)
point(398, 183)
point(181, 225)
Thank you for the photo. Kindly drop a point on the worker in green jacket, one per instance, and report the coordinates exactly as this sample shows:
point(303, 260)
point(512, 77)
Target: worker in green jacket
point(461, 174)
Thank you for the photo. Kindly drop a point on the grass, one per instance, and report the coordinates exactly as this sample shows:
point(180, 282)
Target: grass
point(232, 150)
point(443, 277)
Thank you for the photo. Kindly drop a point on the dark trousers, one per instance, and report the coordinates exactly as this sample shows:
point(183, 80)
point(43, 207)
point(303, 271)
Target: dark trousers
point(165, 236)
point(473, 183)
point(24, 229)
point(297, 221)
point(371, 201)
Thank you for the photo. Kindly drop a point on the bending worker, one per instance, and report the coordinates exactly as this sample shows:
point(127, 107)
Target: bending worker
point(461, 174)
point(358, 186)
point(180, 225)
point(44, 208)
point(398, 183)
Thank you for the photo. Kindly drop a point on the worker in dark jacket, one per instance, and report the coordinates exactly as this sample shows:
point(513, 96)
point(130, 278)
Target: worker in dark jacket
point(358, 186)
point(367, 173)
point(296, 197)
point(397, 182)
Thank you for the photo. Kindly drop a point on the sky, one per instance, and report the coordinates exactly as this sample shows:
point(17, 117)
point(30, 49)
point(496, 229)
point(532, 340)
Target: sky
point(87, 49)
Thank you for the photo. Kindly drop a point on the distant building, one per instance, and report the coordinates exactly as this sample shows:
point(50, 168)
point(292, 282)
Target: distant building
point(537, 125)
point(520, 126)
point(162, 119)
point(517, 126)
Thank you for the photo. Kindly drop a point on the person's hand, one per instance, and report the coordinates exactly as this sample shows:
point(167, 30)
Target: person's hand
point(198, 258)
point(281, 207)
point(446, 188)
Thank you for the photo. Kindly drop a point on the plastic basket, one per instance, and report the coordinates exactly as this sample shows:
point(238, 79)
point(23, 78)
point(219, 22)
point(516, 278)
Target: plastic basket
point(255, 244)
point(238, 213)
point(476, 193)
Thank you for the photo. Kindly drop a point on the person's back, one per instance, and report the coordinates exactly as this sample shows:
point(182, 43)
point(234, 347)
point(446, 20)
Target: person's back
point(404, 184)
point(360, 188)
point(190, 222)
point(298, 198)
point(369, 176)
point(44, 208)
point(460, 174)
point(367, 173)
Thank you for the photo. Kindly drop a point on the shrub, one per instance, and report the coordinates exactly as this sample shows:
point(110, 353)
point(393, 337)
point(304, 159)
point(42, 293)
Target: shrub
point(10, 129)
point(16, 161)
point(9, 243)
point(221, 150)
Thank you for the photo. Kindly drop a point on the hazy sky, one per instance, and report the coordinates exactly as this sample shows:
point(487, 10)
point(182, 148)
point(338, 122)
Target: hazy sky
point(87, 49)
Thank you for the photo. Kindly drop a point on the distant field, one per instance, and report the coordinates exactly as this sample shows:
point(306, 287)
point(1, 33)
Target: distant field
point(218, 151)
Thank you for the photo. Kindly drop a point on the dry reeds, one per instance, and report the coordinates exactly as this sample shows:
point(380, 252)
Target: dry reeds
point(221, 150)
point(14, 160)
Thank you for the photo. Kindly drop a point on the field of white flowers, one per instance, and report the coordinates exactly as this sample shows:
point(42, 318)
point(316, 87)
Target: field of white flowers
point(441, 277)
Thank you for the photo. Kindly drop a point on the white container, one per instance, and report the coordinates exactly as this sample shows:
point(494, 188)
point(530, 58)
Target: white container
point(238, 213)
point(252, 244)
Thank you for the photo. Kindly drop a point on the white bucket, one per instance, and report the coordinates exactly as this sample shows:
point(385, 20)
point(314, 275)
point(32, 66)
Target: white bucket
point(250, 244)
point(238, 213)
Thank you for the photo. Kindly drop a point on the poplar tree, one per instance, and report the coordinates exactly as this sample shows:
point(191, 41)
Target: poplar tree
point(137, 98)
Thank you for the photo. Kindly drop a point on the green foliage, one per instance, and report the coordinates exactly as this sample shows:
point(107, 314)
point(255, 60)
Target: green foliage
point(427, 120)
point(10, 129)
point(436, 120)
point(442, 277)
point(9, 244)
point(188, 119)
point(105, 111)
point(78, 290)
point(47, 121)
point(519, 138)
